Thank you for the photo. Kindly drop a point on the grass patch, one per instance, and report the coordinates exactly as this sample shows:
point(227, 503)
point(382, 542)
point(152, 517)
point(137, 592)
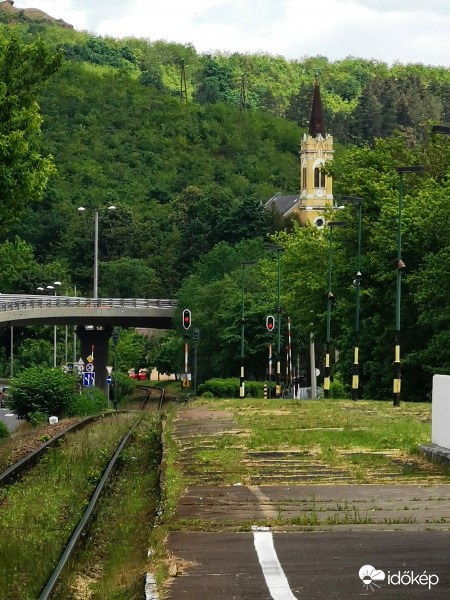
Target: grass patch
point(38, 514)
point(369, 441)
point(111, 562)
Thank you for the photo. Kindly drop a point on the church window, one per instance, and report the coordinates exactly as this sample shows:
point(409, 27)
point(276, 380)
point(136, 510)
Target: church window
point(304, 177)
point(319, 178)
point(316, 177)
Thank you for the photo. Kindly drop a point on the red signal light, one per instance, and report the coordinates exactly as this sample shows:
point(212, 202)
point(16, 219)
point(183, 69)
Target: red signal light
point(186, 318)
point(270, 323)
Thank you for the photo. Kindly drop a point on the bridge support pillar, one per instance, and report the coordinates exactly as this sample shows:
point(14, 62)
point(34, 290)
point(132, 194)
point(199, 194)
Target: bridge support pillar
point(96, 339)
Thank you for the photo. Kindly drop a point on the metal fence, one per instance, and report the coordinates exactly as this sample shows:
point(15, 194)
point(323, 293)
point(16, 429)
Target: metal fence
point(10, 302)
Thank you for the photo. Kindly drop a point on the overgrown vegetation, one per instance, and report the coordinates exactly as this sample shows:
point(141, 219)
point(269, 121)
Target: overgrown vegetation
point(63, 482)
point(111, 562)
point(364, 442)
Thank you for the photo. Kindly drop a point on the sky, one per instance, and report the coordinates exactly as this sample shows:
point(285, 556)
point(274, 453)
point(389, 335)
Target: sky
point(407, 31)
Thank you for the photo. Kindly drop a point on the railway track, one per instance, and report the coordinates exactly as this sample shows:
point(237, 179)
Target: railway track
point(83, 524)
point(147, 391)
point(14, 473)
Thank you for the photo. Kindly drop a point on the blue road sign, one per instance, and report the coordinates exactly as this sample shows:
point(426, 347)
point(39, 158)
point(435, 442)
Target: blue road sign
point(88, 379)
point(70, 366)
point(108, 379)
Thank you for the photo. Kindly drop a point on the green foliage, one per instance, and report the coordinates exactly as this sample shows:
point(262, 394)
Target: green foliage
point(47, 391)
point(89, 402)
point(23, 171)
point(229, 388)
point(125, 385)
point(132, 350)
point(37, 417)
point(166, 353)
point(338, 389)
point(4, 431)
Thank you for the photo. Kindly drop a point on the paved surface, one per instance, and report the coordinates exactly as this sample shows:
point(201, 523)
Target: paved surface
point(9, 419)
point(325, 507)
point(321, 534)
point(317, 566)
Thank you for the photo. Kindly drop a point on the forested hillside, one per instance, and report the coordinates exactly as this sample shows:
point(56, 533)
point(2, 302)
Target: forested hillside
point(188, 176)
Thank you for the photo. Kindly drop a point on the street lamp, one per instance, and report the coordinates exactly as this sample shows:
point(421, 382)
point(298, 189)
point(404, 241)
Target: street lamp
point(278, 250)
point(400, 268)
point(330, 298)
point(357, 284)
point(82, 209)
point(242, 378)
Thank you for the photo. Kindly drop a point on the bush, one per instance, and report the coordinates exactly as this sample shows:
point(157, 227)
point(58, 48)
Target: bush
point(42, 390)
point(338, 389)
point(4, 431)
point(125, 386)
point(90, 402)
point(229, 388)
point(207, 395)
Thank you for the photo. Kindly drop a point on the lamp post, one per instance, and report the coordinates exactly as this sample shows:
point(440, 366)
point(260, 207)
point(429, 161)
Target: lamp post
point(330, 297)
point(357, 284)
point(82, 209)
point(278, 250)
point(400, 268)
point(242, 377)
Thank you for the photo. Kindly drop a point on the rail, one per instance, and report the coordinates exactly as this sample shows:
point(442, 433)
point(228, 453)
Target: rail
point(147, 391)
point(82, 525)
point(30, 302)
point(17, 469)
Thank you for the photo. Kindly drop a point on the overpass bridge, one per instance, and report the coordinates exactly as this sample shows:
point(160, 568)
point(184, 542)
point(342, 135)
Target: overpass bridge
point(94, 319)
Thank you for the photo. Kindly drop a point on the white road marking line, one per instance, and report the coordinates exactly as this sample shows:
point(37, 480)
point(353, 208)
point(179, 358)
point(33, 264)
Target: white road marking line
point(9, 415)
point(273, 573)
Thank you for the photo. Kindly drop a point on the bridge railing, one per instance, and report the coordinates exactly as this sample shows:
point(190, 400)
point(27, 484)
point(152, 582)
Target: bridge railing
point(30, 302)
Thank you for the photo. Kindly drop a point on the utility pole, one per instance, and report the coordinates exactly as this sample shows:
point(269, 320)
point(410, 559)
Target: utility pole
point(183, 87)
point(242, 104)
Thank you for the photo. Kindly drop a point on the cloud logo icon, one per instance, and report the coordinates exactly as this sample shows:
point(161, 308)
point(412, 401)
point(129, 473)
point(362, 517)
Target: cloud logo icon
point(369, 576)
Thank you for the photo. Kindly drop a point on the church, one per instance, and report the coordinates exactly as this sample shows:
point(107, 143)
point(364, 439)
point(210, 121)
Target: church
point(316, 188)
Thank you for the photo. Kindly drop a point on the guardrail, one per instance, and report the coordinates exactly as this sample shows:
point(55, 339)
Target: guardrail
point(30, 302)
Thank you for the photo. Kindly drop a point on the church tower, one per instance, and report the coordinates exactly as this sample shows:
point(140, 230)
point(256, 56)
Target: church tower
point(316, 188)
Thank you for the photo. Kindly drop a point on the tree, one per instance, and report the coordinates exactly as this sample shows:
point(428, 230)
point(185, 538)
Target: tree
point(23, 171)
point(126, 278)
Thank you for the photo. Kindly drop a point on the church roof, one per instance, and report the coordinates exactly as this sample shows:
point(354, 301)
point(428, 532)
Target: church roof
point(283, 204)
point(316, 123)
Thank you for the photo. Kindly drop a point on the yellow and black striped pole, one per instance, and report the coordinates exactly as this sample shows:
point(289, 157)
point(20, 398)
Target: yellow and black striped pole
point(400, 268)
point(330, 298)
point(357, 284)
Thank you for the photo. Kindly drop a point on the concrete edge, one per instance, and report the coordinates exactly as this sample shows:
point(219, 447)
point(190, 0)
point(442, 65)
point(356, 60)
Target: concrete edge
point(435, 453)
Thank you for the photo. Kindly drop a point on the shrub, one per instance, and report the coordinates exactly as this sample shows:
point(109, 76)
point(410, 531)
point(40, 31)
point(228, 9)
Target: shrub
point(338, 389)
point(90, 402)
point(47, 391)
point(4, 431)
point(37, 417)
point(125, 385)
point(207, 395)
point(229, 388)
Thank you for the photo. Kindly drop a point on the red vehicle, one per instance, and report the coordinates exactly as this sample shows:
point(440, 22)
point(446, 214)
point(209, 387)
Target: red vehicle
point(132, 374)
point(143, 374)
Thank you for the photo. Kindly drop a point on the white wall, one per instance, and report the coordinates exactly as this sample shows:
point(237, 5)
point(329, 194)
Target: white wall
point(440, 411)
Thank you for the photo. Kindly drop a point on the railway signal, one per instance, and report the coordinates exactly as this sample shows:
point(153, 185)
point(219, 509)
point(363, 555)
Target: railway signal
point(186, 318)
point(270, 323)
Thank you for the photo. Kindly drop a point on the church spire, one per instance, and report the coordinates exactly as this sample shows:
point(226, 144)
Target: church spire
point(316, 123)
